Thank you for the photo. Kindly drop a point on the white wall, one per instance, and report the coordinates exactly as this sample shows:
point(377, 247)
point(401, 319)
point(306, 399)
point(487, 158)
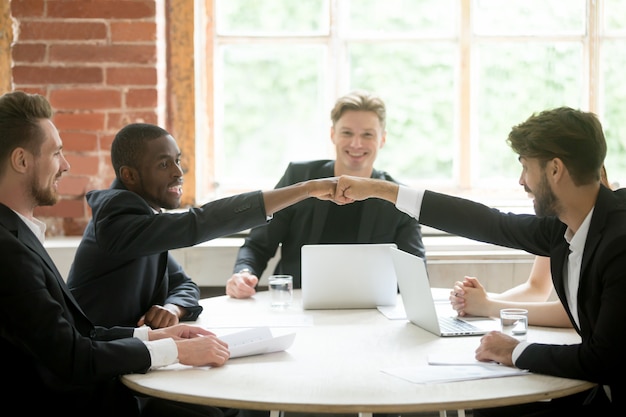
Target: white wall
point(449, 259)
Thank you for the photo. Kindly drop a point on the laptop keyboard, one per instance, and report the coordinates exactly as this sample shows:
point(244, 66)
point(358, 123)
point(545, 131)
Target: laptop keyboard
point(449, 324)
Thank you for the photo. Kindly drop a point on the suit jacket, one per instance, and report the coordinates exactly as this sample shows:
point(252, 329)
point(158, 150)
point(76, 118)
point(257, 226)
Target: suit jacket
point(122, 265)
point(51, 351)
point(602, 288)
point(303, 223)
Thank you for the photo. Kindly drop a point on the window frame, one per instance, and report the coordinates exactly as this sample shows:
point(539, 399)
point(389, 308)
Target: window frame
point(202, 155)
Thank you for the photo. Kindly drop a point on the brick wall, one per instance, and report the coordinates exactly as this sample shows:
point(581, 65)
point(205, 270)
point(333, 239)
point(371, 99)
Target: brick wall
point(97, 61)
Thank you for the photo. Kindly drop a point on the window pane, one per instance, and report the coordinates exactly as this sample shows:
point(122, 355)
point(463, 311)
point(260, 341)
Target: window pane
point(515, 80)
point(613, 111)
point(522, 56)
point(375, 16)
point(416, 81)
point(614, 12)
point(526, 17)
point(271, 111)
point(271, 16)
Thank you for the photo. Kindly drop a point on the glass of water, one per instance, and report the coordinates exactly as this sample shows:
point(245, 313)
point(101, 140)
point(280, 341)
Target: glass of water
point(514, 322)
point(281, 290)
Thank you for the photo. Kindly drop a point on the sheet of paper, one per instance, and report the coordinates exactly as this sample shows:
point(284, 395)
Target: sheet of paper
point(432, 373)
point(256, 341)
point(465, 358)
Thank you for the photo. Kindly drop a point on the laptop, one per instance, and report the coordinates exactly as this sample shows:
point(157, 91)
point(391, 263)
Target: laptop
point(347, 276)
point(419, 303)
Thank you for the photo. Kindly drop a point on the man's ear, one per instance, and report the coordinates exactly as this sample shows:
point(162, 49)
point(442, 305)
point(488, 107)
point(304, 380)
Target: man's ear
point(129, 176)
point(20, 159)
point(556, 169)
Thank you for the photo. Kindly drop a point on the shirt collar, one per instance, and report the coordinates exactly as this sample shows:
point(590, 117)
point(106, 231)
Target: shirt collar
point(577, 240)
point(36, 226)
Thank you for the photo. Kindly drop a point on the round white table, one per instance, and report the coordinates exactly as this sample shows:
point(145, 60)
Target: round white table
point(335, 365)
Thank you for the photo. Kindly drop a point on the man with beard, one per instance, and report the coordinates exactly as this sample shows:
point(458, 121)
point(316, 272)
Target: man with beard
point(579, 223)
point(52, 352)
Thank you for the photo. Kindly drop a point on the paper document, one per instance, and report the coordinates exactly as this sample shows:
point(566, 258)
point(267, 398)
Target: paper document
point(465, 358)
point(256, 341)
point(433, 373)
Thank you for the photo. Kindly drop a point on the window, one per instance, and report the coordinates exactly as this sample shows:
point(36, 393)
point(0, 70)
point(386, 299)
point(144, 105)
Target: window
point(456, 75)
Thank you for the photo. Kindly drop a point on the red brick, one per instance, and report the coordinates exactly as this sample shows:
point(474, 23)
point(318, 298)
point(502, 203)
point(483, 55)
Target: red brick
point(29, 52)
point(82, 98)
point(79, 121)
point(118, 120)
point(79, 141)
point(106, 141)
point(102, 9)
point(27, 8)
point(131, 76)
point(54, 226)
point(32, 90)
point(40, 75)
point(110, 85)
point(146, 97)
point(133, 31)
point(71, 185)
point(132, 54)
point(102, 181)
point(75, 227)
point(64, 208)
point(46, 30)
point(83, 164)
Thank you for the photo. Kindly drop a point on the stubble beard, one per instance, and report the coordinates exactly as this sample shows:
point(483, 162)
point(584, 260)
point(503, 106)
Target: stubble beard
point(546, 202)
point(44, 196)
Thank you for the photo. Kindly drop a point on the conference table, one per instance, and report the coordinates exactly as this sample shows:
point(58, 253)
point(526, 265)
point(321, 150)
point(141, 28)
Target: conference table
point(342, 361)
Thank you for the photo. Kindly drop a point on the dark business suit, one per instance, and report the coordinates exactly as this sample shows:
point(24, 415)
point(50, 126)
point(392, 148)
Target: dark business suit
point(122, 265)
point(303, 223)
point(53, 357)
point(602, 289)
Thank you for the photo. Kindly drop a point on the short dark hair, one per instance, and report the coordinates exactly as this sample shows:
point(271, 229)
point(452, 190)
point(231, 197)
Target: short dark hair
point(128, 145)
point(574, 136)
point(361, 101)
point(20, 116)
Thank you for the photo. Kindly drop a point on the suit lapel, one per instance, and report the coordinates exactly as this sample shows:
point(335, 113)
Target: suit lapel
point(370, 213)
point(368, 216)
point(594, 235)
point(28, 238)
point(320, 212)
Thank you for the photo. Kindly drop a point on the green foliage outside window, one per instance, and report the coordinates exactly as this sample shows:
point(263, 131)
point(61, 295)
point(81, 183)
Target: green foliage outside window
point(280, 65)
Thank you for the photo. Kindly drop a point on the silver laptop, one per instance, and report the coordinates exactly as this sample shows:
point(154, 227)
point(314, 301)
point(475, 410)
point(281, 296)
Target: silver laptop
point(419, 303)
point(343, 276)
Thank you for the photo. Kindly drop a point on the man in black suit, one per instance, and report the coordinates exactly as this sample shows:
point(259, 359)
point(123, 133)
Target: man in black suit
point(358, 133)
point(53, 355)
point(579, 223)
point(122, 272)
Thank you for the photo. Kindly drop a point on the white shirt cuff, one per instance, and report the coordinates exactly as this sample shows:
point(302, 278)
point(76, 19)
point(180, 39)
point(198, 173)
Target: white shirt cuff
point(409, 201)
point(518, 350)
point(141, 333)
point(163, 352)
